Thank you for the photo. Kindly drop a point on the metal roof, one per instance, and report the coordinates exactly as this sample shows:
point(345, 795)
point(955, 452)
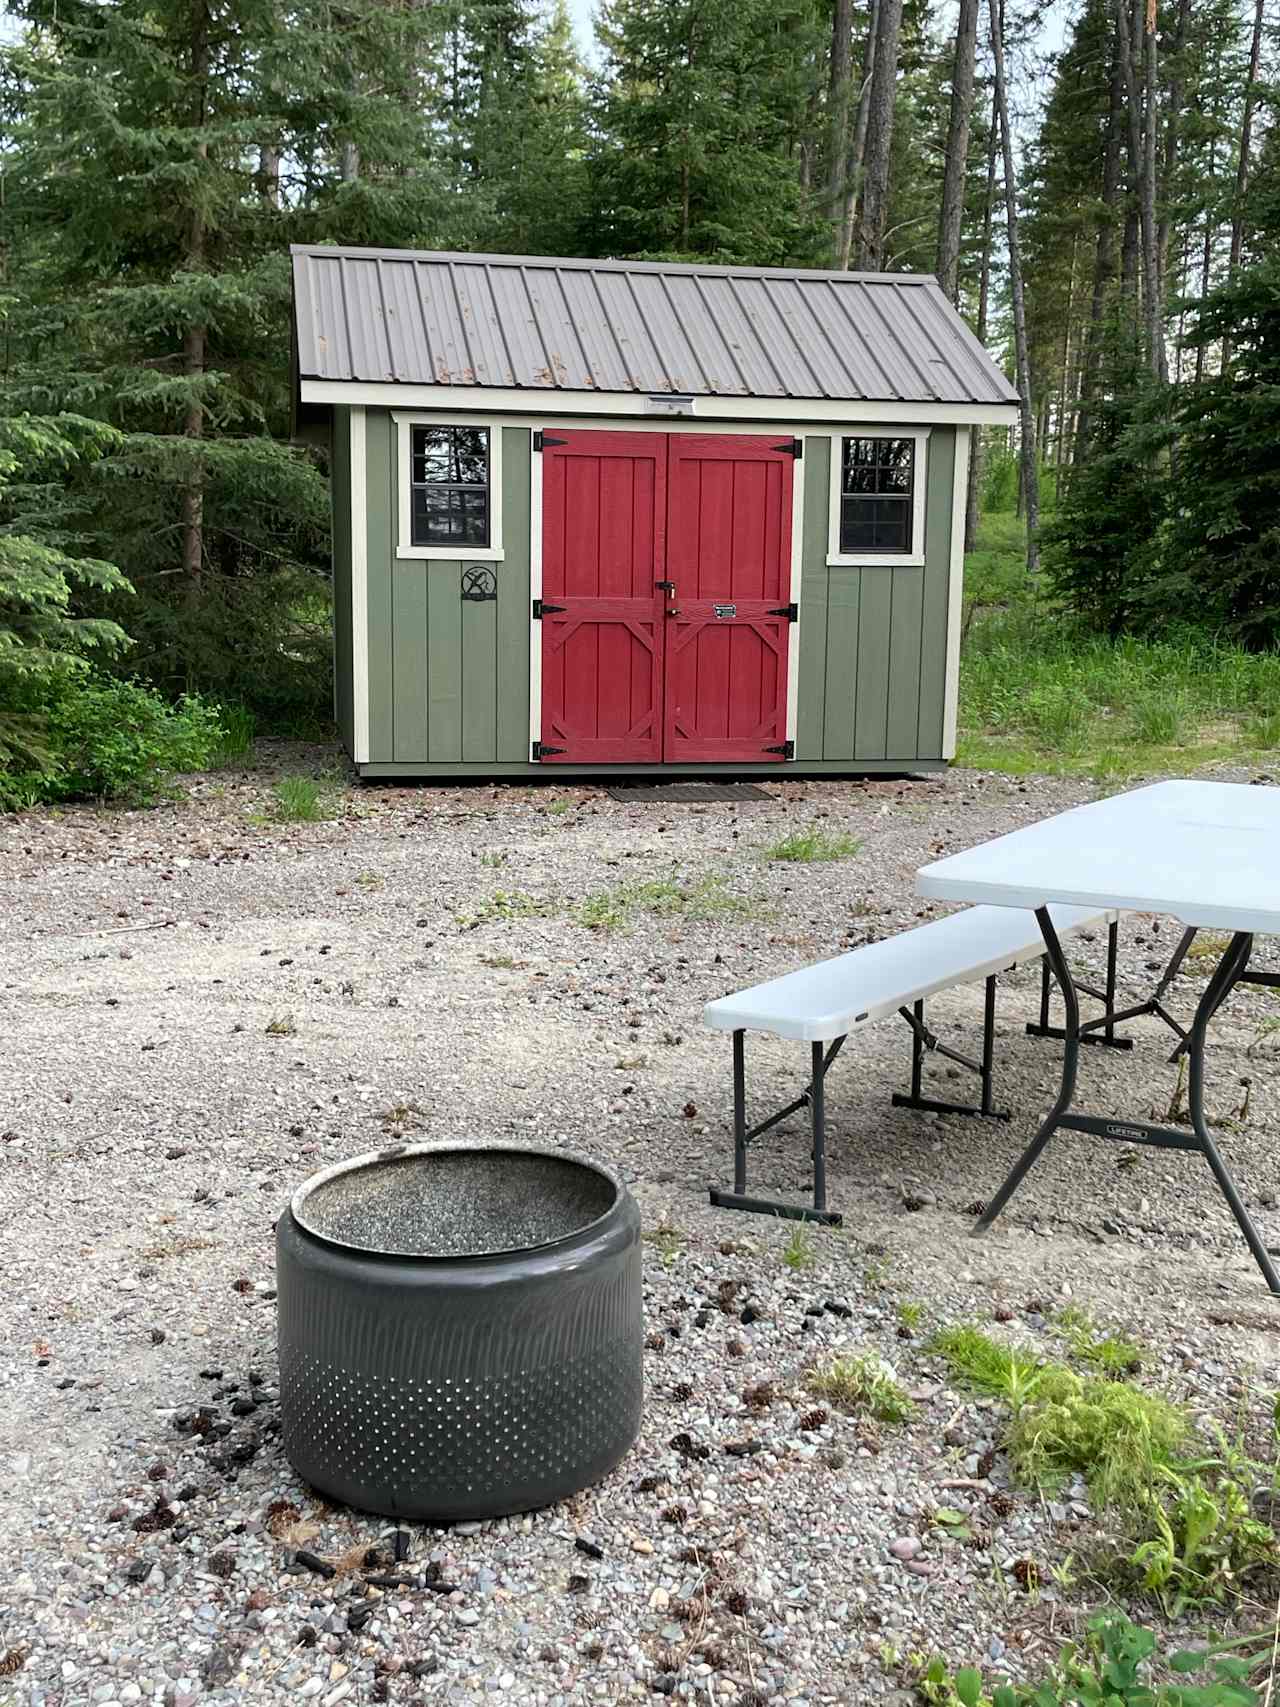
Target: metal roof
point(541, 324)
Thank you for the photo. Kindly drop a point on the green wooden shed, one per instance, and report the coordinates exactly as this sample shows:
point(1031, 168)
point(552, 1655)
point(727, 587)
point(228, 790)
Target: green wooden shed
point(623, 518)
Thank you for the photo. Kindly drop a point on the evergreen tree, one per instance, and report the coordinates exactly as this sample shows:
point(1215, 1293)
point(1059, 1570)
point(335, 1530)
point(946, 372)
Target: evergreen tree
point(697, 110)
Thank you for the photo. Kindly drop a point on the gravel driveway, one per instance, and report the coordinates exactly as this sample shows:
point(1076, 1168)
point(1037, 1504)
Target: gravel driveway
point(200, 1007)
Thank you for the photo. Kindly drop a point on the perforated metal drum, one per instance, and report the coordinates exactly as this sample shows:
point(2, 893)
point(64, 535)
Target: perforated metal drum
point(460, 1329)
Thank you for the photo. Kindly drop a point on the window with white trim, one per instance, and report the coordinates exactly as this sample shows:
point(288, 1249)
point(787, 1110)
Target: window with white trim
point(877, 498)
point(449, 477)
point(449, 486)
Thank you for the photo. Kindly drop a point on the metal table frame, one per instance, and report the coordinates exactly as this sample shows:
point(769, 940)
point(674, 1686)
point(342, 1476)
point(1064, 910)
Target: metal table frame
point(1232, 969)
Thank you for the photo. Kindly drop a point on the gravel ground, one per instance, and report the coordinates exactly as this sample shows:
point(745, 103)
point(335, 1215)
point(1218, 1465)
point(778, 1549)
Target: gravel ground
point(201, 1007)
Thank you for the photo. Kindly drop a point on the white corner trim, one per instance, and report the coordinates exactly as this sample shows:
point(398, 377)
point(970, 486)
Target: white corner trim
point(955, 595)
point(535, 592)
point(359, 591)
point(405, 548)
point(913, 559)
point(525, 401)
point(793, 597)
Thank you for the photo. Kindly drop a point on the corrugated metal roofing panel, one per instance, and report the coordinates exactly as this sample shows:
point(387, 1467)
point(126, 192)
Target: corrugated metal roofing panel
point(545, 324)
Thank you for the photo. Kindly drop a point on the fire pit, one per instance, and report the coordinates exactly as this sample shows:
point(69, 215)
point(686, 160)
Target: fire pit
point(460, 1329)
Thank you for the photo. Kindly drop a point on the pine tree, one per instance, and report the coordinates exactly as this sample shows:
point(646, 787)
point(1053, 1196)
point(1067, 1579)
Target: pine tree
point(695, 112)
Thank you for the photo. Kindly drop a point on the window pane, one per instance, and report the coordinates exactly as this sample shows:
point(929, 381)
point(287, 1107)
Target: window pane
point(875, 525)
point(470, 455)
point(860, 479)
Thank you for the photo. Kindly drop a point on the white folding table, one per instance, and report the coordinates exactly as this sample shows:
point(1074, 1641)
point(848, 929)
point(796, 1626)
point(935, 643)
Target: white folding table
point(1208, 854)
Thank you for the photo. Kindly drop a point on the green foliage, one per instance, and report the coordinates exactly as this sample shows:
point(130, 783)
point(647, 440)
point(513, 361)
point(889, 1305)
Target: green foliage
point(707, 898)
point(798, 1252)
point(1112, 1667)
point(104, 739)
point(504, 905)
point(1113, 1354)
point(238, 724)
point(1180, 1496)
point(300, 800)
point(814, 845)
point(862, 1383)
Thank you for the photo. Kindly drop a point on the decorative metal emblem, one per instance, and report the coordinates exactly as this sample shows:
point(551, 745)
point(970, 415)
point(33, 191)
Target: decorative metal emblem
point(725, 610)
point(479, 582)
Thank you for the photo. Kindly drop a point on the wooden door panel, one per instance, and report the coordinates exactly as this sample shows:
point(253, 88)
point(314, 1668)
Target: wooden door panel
point(728, 627)
point(603, 528)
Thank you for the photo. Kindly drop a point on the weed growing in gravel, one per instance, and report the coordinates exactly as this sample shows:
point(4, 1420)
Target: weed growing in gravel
point(283, 1025)
point(910, 1316)
point(861, 1383)
point(1111, 1667)
point(1182, 1496)
point(708, 898)
point(667, 1240)
point(798, 1252)
point(502, 905)
point(1112, 1354)
point(494, 857)
point(300, 800)
point(812, 846)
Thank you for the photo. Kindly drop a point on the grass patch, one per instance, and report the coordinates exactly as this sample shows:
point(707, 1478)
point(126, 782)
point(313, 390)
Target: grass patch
point(861, 1383)
point(504, 905)
point(1110, 1354)
point(283, 1025)
point(797, 1253)
point(237, 724)
point(708, 898)
point(910, 1316)
point(667, 1240)
point(1039, 693)
point(1178, 1495)
point(300, 800)
point(813, 846)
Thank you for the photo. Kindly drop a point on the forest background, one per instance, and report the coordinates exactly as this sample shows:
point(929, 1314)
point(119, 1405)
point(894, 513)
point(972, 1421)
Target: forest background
point(1106, 215)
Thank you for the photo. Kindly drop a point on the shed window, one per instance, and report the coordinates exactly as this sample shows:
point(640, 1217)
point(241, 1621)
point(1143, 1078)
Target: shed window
point(877, 496)
point(449, 486)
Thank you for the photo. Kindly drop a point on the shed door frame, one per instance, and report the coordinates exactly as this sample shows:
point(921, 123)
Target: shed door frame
point(718, 428)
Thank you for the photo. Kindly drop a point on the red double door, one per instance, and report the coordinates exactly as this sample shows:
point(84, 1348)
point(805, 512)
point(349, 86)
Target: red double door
point(666, 580)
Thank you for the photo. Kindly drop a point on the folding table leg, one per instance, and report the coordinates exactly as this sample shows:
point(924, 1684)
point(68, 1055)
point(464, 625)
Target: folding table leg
point(1057, 963)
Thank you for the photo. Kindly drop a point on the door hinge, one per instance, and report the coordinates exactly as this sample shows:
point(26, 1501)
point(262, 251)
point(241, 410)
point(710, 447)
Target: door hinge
point(791, 612)
point(542, 751)
point(787, 749)
point(541, 609)
point(794, 446)
point(541, 441)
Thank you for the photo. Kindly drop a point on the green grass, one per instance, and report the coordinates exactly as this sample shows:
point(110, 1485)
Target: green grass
point(861, 1383)
point(1039, 693)
point(300, 800)
point(1111, 1354)
point(1177, 1492)
point(237, 723)
point(813, 845)
point(708, 898)
point(504, 905)
point(798, 1252)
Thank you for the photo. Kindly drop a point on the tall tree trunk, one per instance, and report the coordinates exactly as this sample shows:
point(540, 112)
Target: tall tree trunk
point(195, 340)
point(1027, 447)
point(857, 156)
point(838, 119)
point(977, 444)
point(951, 218)
point(269, 175)
point(1142, 166)
point(1104, 259)
point(1172, 138)
point(875, 190)
point(1242, 163)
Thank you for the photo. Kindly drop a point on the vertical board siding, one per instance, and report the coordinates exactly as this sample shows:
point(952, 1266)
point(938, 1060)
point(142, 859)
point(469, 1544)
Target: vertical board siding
point(873, 640)
point(939, 510)
point(340, 493)
point(449, 677)
point(379, 533)
point(810, 568)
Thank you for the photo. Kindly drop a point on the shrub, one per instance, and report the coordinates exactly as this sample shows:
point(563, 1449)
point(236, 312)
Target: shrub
point(104, 739)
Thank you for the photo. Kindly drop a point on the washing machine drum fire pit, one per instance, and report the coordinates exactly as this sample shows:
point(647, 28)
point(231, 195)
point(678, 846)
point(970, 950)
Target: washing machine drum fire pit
point(460, 1329)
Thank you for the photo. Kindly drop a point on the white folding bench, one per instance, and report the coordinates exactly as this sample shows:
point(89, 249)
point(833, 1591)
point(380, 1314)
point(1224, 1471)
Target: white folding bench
point(822, 1004)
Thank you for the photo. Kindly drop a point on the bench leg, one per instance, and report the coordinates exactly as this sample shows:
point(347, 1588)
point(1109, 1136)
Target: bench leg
point(1102, 1030)
point(814, 1095)
point(923, 1039)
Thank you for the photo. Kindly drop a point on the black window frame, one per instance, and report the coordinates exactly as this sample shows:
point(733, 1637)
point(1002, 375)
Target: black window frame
point(423, 537)
point(878, 491)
